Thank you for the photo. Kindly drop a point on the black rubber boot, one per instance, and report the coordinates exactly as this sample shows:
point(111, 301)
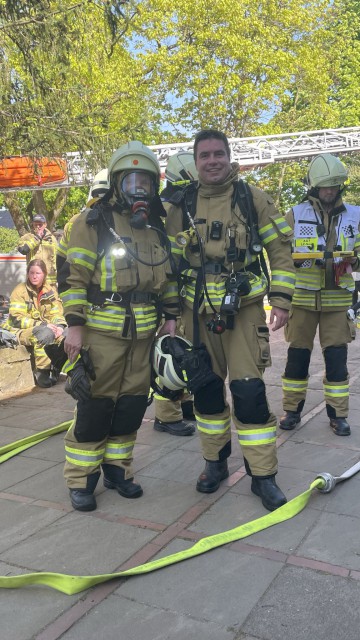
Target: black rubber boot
point(114, 479)
point(289, 421)
point(42, 378)
point(266, 488)
point(54, 376)
point(340, 426)
point(180, 428)
point(84, 499)
point(213, 474)
point(188, 410)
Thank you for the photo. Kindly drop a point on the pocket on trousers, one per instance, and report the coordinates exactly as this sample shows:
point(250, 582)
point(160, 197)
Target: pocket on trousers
point(352, 330)
point(287, 327)
point(263, 356)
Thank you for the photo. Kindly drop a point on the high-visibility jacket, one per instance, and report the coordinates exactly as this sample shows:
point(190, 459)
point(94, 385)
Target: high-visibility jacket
point(63, 244)
point(42, 249)
point(215, 204)
point(325, 284)
point(112, 293)
point(29, 308)
point(62, 247)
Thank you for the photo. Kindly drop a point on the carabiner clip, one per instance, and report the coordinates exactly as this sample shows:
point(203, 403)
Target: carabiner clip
point(115, 298)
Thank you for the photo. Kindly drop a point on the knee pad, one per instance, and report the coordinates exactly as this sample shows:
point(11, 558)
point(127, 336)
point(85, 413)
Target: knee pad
point(93, 419)
point(335, 363)
point(128, 414)
point(250, 404)
point(210, 399)
point(297, 366)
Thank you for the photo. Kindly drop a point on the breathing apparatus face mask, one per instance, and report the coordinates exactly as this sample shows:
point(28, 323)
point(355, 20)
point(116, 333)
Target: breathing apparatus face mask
point(137, 189)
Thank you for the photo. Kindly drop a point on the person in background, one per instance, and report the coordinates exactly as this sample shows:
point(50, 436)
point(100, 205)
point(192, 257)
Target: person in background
point(36, 318)
point(98, 189)
point(323, 293)
point(176, 417)
point(40, 244)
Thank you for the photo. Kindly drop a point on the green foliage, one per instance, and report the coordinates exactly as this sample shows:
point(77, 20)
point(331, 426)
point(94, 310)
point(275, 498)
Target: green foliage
point(63, 88)
point(89, 75)
point(77, 199)
point(9, 240)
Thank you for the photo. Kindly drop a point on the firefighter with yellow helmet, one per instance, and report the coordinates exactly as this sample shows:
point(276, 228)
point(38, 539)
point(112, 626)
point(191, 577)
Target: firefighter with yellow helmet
point(322, 223)
point(114, 278)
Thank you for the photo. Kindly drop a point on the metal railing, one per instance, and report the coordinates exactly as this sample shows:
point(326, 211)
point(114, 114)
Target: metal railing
point(248, 152)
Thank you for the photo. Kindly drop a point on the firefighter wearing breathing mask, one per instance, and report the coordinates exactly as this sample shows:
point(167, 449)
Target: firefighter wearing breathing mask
point(323, 292)
point(112, 284)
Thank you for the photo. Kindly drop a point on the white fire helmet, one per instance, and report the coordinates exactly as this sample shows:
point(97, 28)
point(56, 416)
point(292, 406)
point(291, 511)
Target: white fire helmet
point(326, 170)
point(167, 358)
point(181, 166)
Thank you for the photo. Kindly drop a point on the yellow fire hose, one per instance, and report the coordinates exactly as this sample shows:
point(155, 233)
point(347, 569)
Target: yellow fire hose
point(12, 449)
point(70, 585)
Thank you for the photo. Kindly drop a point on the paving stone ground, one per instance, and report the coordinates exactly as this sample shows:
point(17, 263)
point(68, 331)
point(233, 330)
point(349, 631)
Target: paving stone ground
point(298, 580)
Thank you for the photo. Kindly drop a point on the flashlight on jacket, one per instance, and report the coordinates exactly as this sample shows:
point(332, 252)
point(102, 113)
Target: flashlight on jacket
point(183, 238)
point(118, 249)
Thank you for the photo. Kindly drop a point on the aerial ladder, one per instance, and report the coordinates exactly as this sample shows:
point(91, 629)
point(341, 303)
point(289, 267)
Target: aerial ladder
point(250, 153)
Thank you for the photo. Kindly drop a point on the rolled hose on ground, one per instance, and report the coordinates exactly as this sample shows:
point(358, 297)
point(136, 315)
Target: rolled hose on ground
point(69, 584)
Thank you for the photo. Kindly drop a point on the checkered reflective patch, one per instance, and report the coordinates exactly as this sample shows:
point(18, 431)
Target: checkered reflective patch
point(348, 231)
point(306, 231)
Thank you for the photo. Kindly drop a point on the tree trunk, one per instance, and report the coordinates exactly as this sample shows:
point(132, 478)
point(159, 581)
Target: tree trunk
point(12, 203)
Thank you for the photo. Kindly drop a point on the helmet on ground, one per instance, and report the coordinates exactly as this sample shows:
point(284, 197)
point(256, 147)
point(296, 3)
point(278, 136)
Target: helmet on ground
point(326, 170)
point(167, 358)
point(100, 184)
point(181, 166)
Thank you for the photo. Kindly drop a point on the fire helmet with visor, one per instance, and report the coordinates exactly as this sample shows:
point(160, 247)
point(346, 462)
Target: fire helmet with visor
point(134, 172)
point(181, 166)
point(100, 185)
point(167, 359)
point(326, 170)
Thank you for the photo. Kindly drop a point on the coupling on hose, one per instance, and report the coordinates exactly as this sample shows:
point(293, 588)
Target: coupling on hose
point(330, 482)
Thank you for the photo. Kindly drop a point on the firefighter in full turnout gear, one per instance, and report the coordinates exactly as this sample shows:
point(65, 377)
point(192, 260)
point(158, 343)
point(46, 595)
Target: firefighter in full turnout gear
point(323, 292)
point(176, 417)
point(36, 318)
point(111, 285)
point(98, 189)
point(41, 244)
point(222, 292)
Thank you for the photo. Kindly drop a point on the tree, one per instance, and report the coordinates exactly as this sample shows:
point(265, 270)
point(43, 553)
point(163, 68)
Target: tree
point(57, 205)
point(231, 64)
point(89, 75)
point(65, 89)
point(69, 81)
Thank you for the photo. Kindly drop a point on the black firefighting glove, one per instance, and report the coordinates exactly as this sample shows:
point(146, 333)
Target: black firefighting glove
point(56, 353)
point(43, 334)
point(8, 339)
point(78, 383)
